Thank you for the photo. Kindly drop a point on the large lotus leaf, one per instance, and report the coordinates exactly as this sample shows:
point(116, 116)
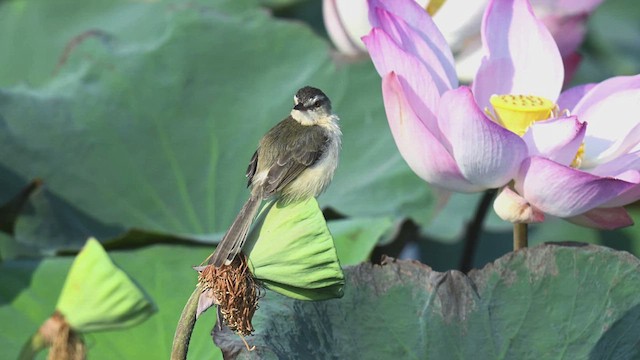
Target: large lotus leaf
point(448, 223)
point(153, 132)
point(355, 238)
point(38, 35)
point(547, 302)
point(611, 47)
point(280, 4)
point(30, 288)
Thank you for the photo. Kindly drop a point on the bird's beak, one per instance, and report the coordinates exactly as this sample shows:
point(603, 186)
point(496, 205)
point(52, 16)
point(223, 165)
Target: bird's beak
point(299, 106)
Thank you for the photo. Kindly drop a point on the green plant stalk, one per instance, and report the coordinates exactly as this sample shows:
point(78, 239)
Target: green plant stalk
point(474, 229)
point(31, 348)
point(185, 327)
point(520, 236)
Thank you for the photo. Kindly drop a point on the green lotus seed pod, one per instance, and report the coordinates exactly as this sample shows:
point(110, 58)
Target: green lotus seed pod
point(292, 252)
point(97, 295)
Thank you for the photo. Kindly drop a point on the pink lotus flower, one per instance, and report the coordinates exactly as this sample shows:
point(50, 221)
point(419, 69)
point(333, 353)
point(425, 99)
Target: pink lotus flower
point(591, 188)
point(459, 21)
point(514, 124)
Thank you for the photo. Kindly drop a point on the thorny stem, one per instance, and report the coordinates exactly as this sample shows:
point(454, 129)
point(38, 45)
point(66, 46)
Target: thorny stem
point(473, 230)
point(185, 327)
point(520, 236)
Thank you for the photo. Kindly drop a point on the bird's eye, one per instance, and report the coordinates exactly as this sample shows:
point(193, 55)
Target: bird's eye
point(317, 104)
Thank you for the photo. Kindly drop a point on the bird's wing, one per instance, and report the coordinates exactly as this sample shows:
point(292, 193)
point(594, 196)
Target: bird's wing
point(251, 169)
point(293, 159)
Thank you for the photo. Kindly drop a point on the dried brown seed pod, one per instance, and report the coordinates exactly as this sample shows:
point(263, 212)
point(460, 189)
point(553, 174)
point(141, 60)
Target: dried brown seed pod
point(234, 290)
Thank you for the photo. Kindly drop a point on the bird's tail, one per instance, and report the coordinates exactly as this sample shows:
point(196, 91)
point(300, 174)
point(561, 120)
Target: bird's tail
point(234, 239)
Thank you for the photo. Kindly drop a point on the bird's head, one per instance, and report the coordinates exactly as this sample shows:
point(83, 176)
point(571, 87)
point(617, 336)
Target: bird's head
point(311, 106)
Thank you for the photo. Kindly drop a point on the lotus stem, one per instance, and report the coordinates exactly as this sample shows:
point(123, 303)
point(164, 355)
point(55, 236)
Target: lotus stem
point(31, 348)
point(473, 231)
point(520, 236)
point(185, 327)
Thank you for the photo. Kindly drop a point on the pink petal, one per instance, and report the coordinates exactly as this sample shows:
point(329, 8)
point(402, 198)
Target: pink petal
point(599, 150)
point(205, 301)
point(388, 57)
point(626, 168)
point(569, 98)
point(566, 192)
point(416, 17)
point(632, 176)
point(611, 109)
point(605, 90)
point(442, 71)
point(521, 56)
point(514, 208)
point(556, 139)
point(426, 156)
point(420, 90)
point(486, 153)
point(567, 31)
point(618, 166)
point(607, 219)
point(629, 196)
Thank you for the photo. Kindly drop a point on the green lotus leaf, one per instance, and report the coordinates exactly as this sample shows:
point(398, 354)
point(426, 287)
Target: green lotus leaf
point(355, 238)
point(31, 287)
point(546, 302)
point(291, 250)
point(97, 295)
point(158, 91)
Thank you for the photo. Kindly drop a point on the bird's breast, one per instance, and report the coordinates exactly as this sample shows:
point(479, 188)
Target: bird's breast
point(315, 179)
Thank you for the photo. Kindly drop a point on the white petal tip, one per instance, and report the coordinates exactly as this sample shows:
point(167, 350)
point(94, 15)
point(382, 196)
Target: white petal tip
point(515, 209)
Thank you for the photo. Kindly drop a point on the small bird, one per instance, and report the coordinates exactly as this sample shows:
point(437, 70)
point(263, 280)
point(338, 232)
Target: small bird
point(295, 160)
